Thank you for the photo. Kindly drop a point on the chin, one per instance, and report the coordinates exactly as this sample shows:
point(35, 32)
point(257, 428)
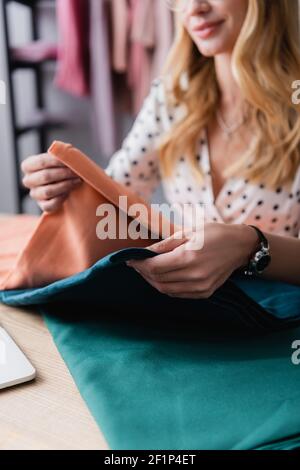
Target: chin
point(211, 50)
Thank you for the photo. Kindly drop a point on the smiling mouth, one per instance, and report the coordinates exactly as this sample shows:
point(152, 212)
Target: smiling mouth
point(208, 29)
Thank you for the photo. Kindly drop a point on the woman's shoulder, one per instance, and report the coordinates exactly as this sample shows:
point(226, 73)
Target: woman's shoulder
point(163, 85)
point(161, 91)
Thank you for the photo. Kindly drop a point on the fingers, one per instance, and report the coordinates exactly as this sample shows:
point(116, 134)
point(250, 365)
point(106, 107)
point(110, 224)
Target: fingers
point(164, 263)
point(48, 176)
point(51, 191)
point(179, 275)
point(170, 259)
point(184, 289)
point(49, 180)
point(40, 162)
point(169, 244)
point(53, 204)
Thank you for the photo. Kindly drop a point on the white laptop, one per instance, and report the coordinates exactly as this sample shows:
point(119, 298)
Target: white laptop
point(15, 368)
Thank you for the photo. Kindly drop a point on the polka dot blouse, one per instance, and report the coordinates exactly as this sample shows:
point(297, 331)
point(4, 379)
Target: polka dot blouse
point(136, 165)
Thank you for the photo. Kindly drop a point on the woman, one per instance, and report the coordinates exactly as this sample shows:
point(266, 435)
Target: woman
point(220, 130)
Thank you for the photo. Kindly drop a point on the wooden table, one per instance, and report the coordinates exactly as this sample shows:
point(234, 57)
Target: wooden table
point(47, 413)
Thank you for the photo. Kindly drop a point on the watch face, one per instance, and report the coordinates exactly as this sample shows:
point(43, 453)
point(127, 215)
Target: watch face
point(262, 263)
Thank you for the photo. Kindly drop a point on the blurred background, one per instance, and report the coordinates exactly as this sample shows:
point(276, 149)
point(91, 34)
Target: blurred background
point(76, 71)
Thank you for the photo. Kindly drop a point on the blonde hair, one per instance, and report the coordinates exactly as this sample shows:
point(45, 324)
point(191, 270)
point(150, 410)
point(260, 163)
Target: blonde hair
point(265, 61)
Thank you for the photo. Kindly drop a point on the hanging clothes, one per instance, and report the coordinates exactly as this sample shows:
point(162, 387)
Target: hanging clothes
point(120, 29)
point(151, 36)
point(102, 93)
point(141, 43)
point(142, 35)
point(164, 34)
point(72, 73)
point(111, 50)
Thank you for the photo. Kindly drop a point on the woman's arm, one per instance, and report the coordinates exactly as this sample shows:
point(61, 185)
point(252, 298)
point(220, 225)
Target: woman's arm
point(285, 258)
point(185, 273)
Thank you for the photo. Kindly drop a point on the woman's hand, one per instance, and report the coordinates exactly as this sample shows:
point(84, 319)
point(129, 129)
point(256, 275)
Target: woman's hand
point(49, 180)
point(179, 271)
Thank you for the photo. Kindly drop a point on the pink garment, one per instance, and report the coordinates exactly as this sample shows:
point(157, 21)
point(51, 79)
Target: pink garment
point(151, 37)
point(90, 64)
point(73, 58)
point(102, 93)
point(35, 51)
point(139, 75)
point(120, 31)
point(84, 66)
point(139, 62)
point(164, 35)
point(143, 26)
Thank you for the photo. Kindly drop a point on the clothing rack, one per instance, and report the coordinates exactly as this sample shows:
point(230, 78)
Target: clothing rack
point(39, 121)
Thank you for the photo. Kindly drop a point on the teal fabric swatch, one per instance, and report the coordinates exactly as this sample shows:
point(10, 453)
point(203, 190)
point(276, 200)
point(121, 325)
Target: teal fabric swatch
point(281, 299)
point(149, 390)
point(163, 373)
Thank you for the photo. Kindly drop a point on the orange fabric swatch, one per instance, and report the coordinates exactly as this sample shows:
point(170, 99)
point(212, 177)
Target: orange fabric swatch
point(58, 245)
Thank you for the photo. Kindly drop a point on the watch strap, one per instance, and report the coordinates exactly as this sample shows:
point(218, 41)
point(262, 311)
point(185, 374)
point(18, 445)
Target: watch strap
point(263, 248)
point(261, 236)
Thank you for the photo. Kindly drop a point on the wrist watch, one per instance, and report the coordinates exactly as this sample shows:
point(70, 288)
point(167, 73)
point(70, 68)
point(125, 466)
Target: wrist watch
point(261, 258)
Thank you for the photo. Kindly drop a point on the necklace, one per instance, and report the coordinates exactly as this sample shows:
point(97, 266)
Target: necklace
point(228, 130)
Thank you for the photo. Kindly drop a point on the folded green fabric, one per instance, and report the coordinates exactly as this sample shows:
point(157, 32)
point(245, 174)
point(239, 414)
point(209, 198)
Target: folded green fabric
point(149, 390)
point(165, 373)
point(278, 298)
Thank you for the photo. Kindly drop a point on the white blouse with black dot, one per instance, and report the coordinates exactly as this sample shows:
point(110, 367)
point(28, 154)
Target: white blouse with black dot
point(136, 165)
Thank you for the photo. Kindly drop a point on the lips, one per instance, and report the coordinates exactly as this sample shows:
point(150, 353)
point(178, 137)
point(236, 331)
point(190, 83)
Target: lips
point(205, 29)
point(207, 24)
